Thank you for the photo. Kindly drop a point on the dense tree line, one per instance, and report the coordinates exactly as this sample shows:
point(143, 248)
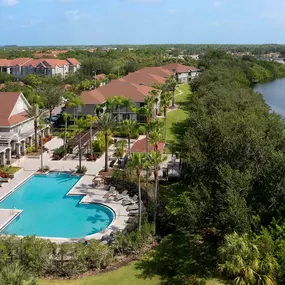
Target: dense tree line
point(226, 215)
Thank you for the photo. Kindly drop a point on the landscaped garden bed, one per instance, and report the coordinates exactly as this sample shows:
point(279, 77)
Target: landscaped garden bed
point(59, 153)
point(7, 173)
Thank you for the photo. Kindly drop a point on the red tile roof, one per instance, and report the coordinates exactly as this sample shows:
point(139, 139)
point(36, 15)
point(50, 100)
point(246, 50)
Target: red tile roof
point(8, 101)
point(179, 68)
point(20, 61)
point(18, 118)
point(13, 62)
point(55, 62)
point(33, 62)
point(73, 61)
point(159, 71)
point(116, 88)
point(142, 77)
point(140, 146)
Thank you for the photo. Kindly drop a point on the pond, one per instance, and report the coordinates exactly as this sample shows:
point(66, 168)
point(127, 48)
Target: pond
point(274, 94)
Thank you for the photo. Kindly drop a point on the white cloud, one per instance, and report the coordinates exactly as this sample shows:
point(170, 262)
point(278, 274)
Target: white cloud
point(71, 12)
point(10, 3)
point(75, 15)
point(217, 4)
point(146, 1)
point(173, 11)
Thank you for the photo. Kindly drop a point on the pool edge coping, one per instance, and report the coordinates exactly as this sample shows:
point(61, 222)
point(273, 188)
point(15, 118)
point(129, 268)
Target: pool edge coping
point(98, 236)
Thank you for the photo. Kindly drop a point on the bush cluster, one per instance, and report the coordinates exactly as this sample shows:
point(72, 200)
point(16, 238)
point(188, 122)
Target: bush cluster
point(44, 258)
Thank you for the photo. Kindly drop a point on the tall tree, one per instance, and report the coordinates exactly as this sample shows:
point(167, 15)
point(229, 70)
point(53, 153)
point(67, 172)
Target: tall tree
point(130, 128)
point(170, 85)
point(66, 117)
point(138, 162)
point(165, 103)
point(241, 261)
point(91, 120)
point(52, 95)
point(110, 105)
point(81, 125)
point(154, 159)
point(118, 101)
point(128, 104)
point(74, 102)
point(34, 112)
point(106, 124)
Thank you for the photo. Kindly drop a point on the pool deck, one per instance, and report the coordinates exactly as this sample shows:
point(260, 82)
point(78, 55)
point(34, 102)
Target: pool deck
point(7, 216)
point(84, 187)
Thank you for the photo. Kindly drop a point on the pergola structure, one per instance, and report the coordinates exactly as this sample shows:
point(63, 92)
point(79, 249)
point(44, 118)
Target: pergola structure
point(17, 144)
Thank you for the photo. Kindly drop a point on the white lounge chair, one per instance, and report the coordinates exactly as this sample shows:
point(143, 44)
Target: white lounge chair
point(110, 194)
point(112, 189)
point(119, 197)
point(127, 202)
point(133, 213)
point(131, 220)
point(135, 198)
point(133, 207)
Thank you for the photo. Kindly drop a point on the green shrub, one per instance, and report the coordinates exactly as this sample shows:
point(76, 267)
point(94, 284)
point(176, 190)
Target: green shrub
point(81, 170)
point(141, 129)
point(59, 153)
point(134, 242)
point(42, 257)
point(31, 149)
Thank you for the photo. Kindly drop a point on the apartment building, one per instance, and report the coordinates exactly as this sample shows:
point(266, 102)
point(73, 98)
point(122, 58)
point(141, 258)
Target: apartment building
point(21, 67)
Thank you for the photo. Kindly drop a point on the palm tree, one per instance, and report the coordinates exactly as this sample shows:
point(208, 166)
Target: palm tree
point(155, 137)
point(98, 109)
point(240, 260)
point(118, 102)
point(128, 104)
point(90, 121)
point(164, 103)
point(81, 125)
point(34, 112)
point(138, 162)
point(154, 159)
point(120, 148)
point(14, 274)
point(74, 103)
point(170, 85)
point(130, 128)
point(146, 110)
point(106, 124)
point(66, 117)
point(110, 104)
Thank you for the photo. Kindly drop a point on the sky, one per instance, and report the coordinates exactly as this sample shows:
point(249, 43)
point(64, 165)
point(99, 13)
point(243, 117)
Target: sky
point(103, 22)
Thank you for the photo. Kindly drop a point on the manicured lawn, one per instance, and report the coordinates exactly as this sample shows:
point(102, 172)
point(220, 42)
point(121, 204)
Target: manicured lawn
point(10, 169)
point(124, 276)
point(173, 117)
point(185, 93)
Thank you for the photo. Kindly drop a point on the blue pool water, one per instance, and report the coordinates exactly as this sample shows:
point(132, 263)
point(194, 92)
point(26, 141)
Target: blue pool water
point(48, 212)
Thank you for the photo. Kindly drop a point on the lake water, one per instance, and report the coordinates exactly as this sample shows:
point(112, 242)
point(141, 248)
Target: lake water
point(274, 94)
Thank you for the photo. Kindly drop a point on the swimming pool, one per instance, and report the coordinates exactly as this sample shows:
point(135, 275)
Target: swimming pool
point(48, 212)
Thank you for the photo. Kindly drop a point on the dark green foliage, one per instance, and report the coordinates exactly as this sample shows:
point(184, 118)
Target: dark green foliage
point(232, 145)
point(42, 257)
point(5, 77)
point(233, 152)
point(134, 242)
point(179, 256)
